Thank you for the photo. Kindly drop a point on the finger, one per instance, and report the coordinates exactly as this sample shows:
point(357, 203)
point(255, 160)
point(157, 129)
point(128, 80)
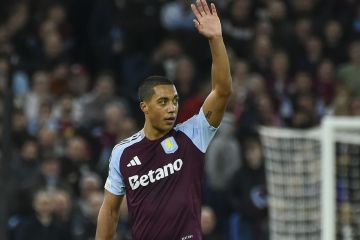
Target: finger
point(195, 11)
point(197, 24)
point(200, 7)
point(205, 6)
point(213, 9)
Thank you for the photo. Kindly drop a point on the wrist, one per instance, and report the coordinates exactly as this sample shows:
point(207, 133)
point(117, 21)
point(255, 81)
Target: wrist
point(216, 37)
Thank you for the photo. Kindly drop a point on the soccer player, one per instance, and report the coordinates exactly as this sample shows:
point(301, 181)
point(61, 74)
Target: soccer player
point(160, 168)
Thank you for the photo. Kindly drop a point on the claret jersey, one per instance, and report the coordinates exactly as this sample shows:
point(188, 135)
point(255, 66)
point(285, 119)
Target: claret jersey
point(162, 180)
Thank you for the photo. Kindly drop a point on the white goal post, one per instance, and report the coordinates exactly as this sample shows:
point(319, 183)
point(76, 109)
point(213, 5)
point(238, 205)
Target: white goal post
point(302, 178)
point(329, 127)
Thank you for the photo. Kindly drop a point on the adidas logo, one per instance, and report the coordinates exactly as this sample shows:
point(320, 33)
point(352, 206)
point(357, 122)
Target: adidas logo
point(134, 162)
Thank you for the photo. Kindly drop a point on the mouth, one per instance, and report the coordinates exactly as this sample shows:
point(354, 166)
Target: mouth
point(170, 120)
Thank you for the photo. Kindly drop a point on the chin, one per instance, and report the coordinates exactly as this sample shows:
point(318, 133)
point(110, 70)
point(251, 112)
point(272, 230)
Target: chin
point(168, 127)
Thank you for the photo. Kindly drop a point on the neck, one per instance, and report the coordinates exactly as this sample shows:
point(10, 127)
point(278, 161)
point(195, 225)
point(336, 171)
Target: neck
point(152, 133)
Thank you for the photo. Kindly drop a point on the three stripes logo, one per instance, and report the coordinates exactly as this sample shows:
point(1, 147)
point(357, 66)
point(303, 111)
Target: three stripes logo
point(134, 162)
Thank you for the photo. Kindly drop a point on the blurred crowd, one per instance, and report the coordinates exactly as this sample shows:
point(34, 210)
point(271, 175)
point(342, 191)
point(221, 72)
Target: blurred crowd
point(74, 68)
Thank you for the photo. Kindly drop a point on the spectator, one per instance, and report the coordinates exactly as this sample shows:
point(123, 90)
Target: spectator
point(89, 184)
point(42, 225)
point(49, 142)
point(53, 50)
point(108, 135)
point(184, 79)
point(76, 162)
point(43, 119)
point(63, 117)
point(86, 221)
point(165, 57)
point(78, 81)
point(266, 111)
point(306, 107)
point(208, 223)
point(94, 104)
point(303, 28)
point(342, 101)
point(47, 177)
point(350, 72)
point(19, 131)
point(281, 27)
point(26, 164)
point(63, 210)
point(240, 85)
point(326, 81)
point(333, 42)
point(262, 53)
point(248, 193)
point(193, 104)
point(312, 55)
point(58, 80)
point(238, 26)
point(279, 79)
point(223, 159)
point(39, 93)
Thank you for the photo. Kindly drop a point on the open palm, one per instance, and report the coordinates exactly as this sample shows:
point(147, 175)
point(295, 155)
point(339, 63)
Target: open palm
point(207, 21)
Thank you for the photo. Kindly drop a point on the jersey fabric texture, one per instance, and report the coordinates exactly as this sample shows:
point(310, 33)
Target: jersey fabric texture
point(162, 180)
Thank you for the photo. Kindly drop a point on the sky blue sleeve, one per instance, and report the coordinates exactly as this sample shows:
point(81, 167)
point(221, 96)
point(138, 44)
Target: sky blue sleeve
point(198, 130)
point(115, 181)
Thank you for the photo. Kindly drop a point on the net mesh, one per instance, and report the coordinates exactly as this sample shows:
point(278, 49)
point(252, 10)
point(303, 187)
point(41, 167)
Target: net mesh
point(348, 186)
point(292, 160)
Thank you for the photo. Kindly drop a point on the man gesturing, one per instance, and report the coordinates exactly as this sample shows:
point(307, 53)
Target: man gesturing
point(160, 168)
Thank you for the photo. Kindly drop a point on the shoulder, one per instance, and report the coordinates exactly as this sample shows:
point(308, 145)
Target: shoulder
point(197, 121)
point(126, 143)
point(198, 130)
point(131, 140)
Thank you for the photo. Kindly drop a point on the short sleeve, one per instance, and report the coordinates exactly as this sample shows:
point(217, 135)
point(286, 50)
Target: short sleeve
point(115, 181)
point(198, 130)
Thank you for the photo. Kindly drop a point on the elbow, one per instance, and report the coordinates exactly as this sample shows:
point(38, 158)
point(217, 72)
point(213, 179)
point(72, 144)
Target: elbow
point(223, 86)
point(230, 91)
point(226, 91)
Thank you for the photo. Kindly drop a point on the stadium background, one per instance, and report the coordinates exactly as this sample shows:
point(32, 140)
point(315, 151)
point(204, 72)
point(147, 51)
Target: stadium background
point(68, 77)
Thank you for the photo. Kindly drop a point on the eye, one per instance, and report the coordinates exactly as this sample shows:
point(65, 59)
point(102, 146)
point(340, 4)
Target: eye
point(162, 101)
point(176, 101)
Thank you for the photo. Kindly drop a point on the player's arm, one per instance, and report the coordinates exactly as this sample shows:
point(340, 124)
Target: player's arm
point(108, 216)
point(208, 24)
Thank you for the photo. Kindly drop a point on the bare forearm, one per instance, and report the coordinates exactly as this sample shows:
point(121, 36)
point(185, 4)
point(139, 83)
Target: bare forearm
point(220, 71)
point(107, 223)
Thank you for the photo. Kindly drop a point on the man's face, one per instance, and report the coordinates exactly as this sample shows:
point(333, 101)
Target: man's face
point(161, 110)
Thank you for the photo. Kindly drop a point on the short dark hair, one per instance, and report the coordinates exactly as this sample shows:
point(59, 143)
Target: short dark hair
point(146, 88)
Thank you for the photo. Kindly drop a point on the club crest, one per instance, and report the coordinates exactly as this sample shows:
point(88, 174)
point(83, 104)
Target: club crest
point(169, 145)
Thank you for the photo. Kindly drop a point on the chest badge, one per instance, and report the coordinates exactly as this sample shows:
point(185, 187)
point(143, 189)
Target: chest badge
point(169, 145)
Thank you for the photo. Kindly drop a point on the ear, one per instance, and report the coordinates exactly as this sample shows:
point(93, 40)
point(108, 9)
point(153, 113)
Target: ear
point(144, 107)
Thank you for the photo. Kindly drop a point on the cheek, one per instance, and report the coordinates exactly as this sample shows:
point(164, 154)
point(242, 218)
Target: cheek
point(155, 115)
point(157, 118)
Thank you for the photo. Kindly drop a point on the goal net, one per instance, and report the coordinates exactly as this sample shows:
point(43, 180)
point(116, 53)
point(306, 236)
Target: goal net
point(313, 180)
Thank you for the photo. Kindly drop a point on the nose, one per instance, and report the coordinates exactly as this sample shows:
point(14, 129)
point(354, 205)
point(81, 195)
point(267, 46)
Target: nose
point(172, 108)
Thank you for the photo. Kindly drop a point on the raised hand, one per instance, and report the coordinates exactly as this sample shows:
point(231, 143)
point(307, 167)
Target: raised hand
point(207, 21)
